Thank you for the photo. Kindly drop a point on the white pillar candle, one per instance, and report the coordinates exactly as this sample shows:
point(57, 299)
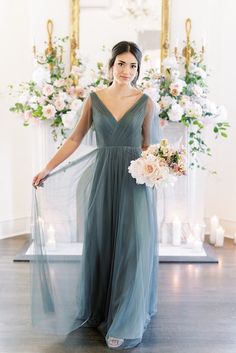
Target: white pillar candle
point(219, 236)
point(234, 238)
point(203, 227)
point(176, 232)
point(197, 245)
point(197, 230)
point(214, 223)
point(164, 233)
point(51, 242)
point(190, 241)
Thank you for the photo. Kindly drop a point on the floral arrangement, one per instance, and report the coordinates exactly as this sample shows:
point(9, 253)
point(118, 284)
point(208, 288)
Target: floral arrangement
point(181, 94)
point(52, 94)
point(159, 164)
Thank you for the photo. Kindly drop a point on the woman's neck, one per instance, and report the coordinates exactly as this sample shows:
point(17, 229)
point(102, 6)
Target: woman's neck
point(122, 90)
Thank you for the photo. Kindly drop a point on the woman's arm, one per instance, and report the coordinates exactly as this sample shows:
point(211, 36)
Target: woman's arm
point(71, 143)
point(150, 128)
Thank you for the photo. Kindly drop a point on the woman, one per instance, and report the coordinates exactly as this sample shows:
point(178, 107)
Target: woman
point(116, 289)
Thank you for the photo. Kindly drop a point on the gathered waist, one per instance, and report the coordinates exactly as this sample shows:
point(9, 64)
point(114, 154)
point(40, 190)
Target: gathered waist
point(135, 148)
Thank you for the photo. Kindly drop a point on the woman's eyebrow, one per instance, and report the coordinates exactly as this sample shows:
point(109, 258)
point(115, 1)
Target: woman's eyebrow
point(125, 62)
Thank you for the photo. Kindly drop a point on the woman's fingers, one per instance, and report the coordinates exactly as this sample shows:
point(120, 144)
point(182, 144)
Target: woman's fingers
point(37, 179)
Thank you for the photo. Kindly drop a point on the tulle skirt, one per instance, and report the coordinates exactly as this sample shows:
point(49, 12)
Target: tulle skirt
point(95, 260)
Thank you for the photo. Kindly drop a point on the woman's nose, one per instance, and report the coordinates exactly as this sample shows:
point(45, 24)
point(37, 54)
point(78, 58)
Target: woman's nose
point(126, 70)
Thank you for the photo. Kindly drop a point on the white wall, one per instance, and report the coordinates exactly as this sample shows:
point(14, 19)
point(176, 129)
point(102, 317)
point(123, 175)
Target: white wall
point(215, 19)
point(21, 24)
point(15, 142)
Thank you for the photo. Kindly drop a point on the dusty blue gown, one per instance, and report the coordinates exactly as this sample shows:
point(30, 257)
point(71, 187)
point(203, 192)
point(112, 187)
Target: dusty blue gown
point(95, 203)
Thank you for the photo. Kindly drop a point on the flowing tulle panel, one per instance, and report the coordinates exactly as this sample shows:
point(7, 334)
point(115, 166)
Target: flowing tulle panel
point(94, 233)
point(96, 202)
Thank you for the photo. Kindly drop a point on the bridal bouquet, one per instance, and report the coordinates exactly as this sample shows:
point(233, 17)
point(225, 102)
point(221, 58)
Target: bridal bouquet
point(159, 164)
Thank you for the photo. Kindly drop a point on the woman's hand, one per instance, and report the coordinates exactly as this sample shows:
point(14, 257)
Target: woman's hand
point(38, 177)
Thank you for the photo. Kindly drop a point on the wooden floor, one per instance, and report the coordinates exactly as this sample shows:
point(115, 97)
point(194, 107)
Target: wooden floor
point(196, 312)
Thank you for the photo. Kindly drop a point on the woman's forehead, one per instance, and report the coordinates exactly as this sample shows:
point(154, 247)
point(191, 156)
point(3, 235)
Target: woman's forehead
point(127, 57)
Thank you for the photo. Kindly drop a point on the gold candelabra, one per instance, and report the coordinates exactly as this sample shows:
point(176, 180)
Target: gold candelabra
point(188, 50)
point(75, 33)
point(50, 50)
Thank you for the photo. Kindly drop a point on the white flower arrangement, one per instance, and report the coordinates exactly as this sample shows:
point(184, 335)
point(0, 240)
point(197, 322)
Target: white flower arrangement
point(52, 94)
point(182, 97)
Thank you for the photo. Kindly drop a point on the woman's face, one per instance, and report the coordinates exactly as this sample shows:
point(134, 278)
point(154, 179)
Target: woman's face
point(125, 68)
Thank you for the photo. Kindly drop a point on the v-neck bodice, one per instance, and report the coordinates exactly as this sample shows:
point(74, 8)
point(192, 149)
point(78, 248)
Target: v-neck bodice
point(112, 115)
point(125, 132)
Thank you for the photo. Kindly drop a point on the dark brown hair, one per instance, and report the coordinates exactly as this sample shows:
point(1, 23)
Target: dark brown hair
point(126, 47)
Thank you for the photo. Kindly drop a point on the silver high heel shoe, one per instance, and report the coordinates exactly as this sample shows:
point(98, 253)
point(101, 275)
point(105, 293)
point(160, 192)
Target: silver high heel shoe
point(114, 342)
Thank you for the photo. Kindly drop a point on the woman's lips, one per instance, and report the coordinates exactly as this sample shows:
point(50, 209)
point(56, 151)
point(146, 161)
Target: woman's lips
point(125, 77)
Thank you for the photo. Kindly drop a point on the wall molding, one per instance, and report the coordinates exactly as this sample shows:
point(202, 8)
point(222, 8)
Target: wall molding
point(11, 228)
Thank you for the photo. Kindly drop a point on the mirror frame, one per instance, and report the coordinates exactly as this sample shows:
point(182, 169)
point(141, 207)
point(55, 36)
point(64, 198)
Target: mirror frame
point(75, 23)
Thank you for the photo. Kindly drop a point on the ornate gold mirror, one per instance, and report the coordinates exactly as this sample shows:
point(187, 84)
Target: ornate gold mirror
point(94, 18)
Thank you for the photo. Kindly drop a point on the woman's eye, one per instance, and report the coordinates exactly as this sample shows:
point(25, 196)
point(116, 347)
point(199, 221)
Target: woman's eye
point(120, 64)
point(133, 66)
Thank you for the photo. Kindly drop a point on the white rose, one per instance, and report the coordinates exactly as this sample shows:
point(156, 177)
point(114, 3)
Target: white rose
point(63, 96)
point(184, 101)
point(49, 111)
point(76, 104)
point(210, 107)
point(176, 87)
point(170, 63)
point(48, 90)
point(24, 97)
point(176, 112)
point(174, 74)
point(197, 71)
point(59, 104)
point(34, 106)
point(165, 102)
point(41, 75)
point(197, 90)
point(59, 83)
point(194, 110)
point(153, 93)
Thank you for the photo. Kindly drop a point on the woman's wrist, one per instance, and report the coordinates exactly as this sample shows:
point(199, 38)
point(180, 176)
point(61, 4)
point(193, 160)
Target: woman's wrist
point(47, 169)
